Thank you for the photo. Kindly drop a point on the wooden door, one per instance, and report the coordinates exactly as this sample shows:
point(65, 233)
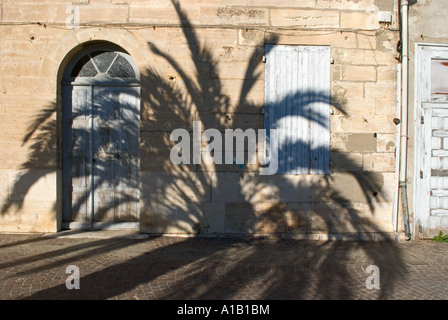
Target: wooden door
point(115, 154)
point(101, 154)
point(431, 140)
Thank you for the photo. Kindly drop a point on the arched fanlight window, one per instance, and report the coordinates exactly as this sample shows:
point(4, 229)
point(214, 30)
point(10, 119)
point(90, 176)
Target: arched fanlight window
point(111, 63)
point(102, 64)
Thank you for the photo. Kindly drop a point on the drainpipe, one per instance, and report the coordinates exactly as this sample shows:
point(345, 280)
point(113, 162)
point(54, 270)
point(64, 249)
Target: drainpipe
point(404, 116)
point(395, 210)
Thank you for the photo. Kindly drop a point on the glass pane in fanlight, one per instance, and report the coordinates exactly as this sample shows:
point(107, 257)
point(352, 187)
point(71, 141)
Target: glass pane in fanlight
point(84, 68)
point(121, 68)
point(103, 59)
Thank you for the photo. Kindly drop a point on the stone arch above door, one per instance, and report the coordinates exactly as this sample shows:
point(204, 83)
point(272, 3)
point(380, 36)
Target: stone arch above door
point(61, 52)
point(102, 63)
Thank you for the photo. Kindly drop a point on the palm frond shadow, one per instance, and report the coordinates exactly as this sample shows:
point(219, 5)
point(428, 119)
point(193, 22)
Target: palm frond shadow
point(176, 194)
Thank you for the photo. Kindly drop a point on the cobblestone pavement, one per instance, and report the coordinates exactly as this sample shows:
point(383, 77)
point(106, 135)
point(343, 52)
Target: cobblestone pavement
point(135, 266)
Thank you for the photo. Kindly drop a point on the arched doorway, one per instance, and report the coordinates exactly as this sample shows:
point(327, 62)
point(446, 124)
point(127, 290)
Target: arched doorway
point(100, 146)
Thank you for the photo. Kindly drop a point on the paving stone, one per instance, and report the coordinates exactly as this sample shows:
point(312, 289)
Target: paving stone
point(120, 267)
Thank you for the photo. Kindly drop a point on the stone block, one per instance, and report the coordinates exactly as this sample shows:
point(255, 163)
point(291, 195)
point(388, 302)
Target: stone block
point(366, 41)
point(161, 218)
point(380, 58)
point(18, 68)
point(175, 189)
point(280, 188)
point(361, 5)
point(331, 218)
point(351, 142)
point(343, 91)
point(115, 13)
point(32, 185)
point(335, 40)
point(359, 20)
point(248, 37)
point(304, 18)
point(387, 42)
point(213, 220)
point(387, 73)
point(224, 187)
point(360, 106)
point(237, 53)
point(237, 88)
point(345, 161)
point(282, 3)
point(239, 218)
point(361, 142)
point(27, 85)
point(51, 12)
point(161, 13)
point(156, 120)
point(358, 73)
point(14, 157)
point(360, 124)
point(347, 56)
point(383, 162)
point(380, 90)
point(356, 187)
point(4, 186)
point(265, 218)
point(384, 200)
point(281, 218)
point(256, 188)
point(217, 37)
point(238, 70)
point(386, 142)
point(233, 16)
point(385, 107)
point(234, 121)
point(36, 216)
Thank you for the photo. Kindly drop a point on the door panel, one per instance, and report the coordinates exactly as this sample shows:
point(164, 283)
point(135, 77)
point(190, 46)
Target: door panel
point(80, 153)
point(435, 130)
point(101, 154)
point(115, 147)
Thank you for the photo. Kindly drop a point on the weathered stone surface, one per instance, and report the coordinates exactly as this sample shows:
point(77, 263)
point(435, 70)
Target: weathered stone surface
point(210, 71)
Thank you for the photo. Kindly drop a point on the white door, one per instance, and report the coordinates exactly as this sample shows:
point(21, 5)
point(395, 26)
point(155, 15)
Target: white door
point(100, 147)
point(431, 159)
point(103, 154)
point(115, 154)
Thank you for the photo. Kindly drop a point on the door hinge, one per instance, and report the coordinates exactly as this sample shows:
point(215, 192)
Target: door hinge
point(422, 120)
point(421, 174)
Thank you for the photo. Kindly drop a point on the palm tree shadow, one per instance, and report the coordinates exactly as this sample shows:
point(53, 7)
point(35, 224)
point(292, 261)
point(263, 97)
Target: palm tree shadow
point(174, 197)
point(40, 135)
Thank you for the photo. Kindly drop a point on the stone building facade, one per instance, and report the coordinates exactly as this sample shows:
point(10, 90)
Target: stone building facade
point(198, 62)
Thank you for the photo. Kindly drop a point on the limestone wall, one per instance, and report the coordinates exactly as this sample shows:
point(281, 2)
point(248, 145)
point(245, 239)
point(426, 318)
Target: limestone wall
point(203, 61)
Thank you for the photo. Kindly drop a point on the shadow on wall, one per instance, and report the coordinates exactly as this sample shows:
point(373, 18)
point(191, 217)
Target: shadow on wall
point(242, 200)
point(41, 159)
point(176, 197)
